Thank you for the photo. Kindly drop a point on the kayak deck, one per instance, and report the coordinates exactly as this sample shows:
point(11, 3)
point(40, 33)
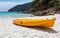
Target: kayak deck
point(39, 22)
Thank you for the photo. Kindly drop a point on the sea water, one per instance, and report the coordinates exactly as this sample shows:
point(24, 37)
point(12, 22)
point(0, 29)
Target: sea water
point(14, 15)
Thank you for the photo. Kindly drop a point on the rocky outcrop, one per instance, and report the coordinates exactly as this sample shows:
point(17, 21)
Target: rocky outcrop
point(46, 7)
point(50, 11)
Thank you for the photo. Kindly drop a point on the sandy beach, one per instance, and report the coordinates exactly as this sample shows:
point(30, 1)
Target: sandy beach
point(9, 30)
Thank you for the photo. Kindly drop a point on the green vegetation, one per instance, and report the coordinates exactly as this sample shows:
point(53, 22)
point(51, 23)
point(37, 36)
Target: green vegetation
point(44, 4)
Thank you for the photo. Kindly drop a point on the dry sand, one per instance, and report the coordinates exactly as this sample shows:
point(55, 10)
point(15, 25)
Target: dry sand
point(9, 30)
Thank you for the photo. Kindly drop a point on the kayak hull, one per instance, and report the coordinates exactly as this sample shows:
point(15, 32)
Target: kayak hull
point(40, 22)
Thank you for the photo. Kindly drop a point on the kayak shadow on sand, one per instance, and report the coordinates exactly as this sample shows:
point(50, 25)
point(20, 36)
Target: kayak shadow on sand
point(49, 30)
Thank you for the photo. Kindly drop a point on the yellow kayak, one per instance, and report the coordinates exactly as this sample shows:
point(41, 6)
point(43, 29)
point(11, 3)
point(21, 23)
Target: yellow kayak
point(39, 22)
